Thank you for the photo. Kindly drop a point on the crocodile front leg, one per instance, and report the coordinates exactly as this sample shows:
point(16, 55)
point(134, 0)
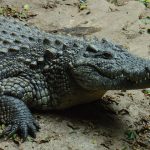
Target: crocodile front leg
point(18, 117)
point(15, 93)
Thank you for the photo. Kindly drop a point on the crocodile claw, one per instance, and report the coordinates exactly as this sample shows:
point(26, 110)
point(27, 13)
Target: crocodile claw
point(24, 127)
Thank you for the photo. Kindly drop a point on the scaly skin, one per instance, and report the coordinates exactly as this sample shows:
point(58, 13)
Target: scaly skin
point(45, 71)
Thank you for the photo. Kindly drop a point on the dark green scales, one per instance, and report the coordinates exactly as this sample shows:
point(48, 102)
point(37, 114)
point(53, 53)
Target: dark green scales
point(44, 71)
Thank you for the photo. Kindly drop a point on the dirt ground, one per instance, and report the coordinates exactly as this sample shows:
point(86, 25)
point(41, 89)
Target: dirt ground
point(121, 120)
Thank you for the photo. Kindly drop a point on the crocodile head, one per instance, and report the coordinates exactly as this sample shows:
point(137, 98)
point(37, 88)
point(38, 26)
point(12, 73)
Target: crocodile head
point(106, 66)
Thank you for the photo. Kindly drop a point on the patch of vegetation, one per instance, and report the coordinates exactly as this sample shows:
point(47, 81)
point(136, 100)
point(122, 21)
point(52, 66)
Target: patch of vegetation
point(145, 2)
point(131, 135)
point(147, 91)
point(82, 4)
point(20, 13)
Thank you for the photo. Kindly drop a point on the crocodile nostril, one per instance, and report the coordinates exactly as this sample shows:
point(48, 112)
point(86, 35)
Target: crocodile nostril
point(107, 55)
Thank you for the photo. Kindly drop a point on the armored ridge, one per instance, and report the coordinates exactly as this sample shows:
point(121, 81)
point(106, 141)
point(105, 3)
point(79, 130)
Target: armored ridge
point(43, 71)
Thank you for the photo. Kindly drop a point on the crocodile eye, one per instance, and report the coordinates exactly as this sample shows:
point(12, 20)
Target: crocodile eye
point(107, 55)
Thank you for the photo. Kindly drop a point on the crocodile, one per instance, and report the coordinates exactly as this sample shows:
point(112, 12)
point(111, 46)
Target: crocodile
point(44, 71)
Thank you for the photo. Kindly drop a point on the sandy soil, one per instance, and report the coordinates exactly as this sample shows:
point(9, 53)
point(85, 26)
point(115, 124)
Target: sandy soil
point(121, 120)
